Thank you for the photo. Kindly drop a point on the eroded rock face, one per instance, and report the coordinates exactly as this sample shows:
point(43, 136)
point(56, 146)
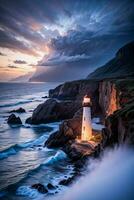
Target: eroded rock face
point(108, 97)
point(68, 131)
point(120, 127)
point(19, 110)
point(53, 110)
point(76, 90)
point(12, 119)
point(76, 150)
point(41, 188)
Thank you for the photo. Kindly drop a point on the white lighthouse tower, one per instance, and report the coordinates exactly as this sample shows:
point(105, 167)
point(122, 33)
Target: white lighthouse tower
point(86, 120)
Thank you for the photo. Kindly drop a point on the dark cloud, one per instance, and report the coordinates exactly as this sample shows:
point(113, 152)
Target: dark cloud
point(22, 19)
point(81, 35)
point(20, 62)
point(9, 40)
point(12, 66)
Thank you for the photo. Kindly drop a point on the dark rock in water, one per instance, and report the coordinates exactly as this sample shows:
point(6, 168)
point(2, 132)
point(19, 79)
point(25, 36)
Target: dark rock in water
point(19, 110)
point(77, 150)
point(41, 188)
point(53, 110)
point(50, 186)
point(12, 119)
point(28, 120)
point(45, 97)
point(66, 181)
point(68, 131)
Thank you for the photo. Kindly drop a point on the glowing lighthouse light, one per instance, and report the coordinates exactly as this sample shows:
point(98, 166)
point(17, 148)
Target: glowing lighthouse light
point(86, 120)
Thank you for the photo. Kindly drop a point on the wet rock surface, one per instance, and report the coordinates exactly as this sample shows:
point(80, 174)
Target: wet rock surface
point(41, 188)
point(19, 110)
point(12, 119)
point(53, 110)
point(50, 186)
point(68, 131)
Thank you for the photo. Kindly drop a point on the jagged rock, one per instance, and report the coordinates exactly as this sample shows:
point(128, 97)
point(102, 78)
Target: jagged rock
point(12, 119)
point(53, 110)
point(28, 120)
point(120, 126)
point(45, 97)
point(50, 186)
point(66, 181)
point(76, 90)
point(19, 110)
point(76, 150)
point(41, 188)
point(68, 131)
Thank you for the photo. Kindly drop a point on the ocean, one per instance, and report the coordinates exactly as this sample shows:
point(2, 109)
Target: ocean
point(23, 159)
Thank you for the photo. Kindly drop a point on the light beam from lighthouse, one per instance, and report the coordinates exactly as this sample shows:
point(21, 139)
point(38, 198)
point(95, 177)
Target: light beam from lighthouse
point(86, 120)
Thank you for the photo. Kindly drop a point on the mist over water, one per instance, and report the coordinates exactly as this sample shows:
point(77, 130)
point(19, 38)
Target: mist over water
point(111, 178)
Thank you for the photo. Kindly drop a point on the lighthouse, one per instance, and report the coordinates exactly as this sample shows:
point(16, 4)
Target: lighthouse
point(86, 120)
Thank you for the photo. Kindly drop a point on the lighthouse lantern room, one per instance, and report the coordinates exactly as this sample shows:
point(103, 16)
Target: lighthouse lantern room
point(86, 119)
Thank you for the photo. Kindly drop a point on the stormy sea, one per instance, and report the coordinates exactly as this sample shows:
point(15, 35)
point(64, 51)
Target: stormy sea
point(25, 161)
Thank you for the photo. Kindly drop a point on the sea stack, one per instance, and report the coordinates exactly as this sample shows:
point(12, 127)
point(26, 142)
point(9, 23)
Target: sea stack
point(86, 119)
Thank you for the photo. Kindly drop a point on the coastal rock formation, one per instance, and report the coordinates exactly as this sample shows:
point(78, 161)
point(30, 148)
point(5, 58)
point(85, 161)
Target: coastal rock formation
point(53, 110)
point(120, 126)
point(77, 150)
point(122, 66)
point(19, 110)
point(12, 119)
point(75, 90)
point(108, 97)
point(114, 94)
point(68, 131)
point(114, 99)
point(41, 188)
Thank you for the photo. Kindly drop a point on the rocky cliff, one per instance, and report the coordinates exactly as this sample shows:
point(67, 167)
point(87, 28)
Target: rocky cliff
point(76, 90)
point(112, 99)
point(108, 97)
point(65, 100)
point(116, 100)
point(121, 66)
point(120, 121)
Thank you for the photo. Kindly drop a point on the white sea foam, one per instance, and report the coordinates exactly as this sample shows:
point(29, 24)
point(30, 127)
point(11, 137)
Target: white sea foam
point(28, 191)
point(5, 154)
point(60, 155)
point(33, 143)
point(111, 178)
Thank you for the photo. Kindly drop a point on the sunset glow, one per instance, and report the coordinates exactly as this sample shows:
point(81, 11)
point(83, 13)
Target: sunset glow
point(65, 37)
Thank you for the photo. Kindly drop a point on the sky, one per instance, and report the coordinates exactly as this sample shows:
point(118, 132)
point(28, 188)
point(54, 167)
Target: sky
point(59, 40)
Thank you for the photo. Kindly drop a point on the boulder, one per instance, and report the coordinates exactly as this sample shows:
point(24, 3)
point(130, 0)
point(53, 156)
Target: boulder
point(68, 131)
point(41, 188)
point(19, 110)
point(12, 119)
point(50, 186)
point(77, 150)
point(66, 181)
point(53, 110)
point(45, 97)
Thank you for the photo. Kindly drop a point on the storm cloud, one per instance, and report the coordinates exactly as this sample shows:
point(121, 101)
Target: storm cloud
point(75, 36)
point(20, 62)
